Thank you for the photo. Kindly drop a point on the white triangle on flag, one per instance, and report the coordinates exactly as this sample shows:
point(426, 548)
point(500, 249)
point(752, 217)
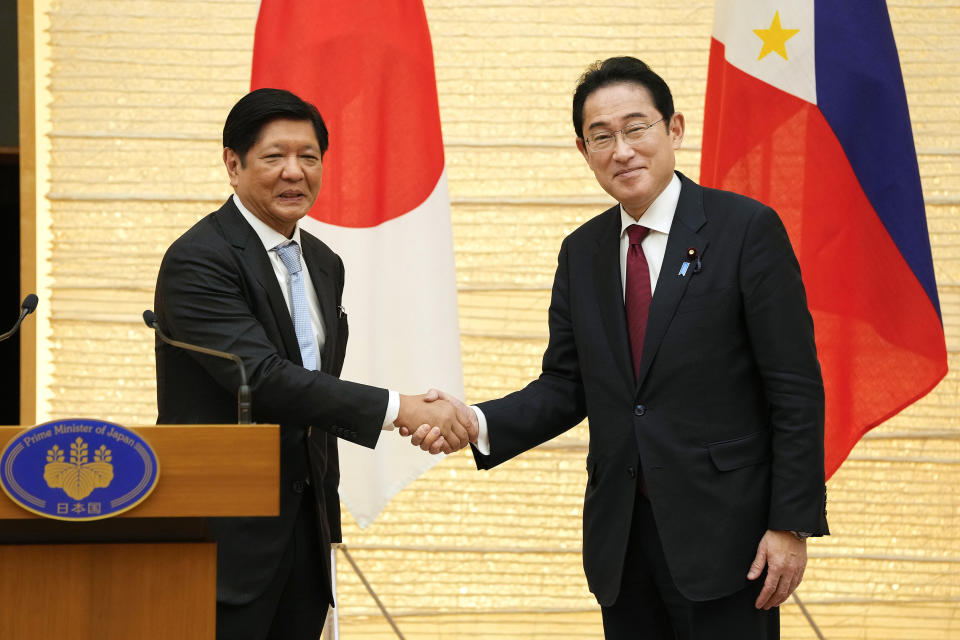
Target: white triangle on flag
point(735, 22)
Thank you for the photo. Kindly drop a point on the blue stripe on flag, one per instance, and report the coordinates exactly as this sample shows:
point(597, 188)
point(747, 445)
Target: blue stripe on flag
point(860, 93)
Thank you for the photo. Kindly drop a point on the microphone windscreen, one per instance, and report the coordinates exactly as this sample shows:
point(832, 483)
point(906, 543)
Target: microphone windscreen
point(150, 318)
point(30, 303)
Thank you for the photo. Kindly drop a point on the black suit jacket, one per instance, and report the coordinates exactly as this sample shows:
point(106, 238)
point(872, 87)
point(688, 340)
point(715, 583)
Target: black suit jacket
point(726, 416)
point(217, 288)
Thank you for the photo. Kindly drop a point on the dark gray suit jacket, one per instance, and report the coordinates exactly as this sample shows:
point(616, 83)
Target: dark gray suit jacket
point(726, 417)
point(217, 288)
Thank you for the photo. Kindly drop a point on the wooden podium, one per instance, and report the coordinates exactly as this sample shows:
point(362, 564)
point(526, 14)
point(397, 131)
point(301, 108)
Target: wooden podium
point(149, 573)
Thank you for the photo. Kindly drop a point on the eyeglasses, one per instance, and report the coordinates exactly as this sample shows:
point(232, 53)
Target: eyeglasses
point(632, 134)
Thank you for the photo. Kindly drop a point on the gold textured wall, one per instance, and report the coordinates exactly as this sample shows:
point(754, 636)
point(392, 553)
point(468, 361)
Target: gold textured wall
point(137, 95)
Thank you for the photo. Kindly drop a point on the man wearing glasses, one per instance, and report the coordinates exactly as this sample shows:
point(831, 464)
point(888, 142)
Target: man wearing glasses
point(679, 327)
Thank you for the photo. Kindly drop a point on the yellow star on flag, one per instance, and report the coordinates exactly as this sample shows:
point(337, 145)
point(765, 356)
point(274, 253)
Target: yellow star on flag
point(775, 38)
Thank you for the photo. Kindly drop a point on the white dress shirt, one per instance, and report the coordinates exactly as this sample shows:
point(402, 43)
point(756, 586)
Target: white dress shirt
point(271, 238)
point(658, 217)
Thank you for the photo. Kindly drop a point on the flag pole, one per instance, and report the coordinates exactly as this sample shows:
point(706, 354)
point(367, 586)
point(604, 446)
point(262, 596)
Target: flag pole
point(373, 594)
point(331, 627)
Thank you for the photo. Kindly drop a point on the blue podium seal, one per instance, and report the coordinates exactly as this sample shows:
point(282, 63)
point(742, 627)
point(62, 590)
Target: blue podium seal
point(78, 469)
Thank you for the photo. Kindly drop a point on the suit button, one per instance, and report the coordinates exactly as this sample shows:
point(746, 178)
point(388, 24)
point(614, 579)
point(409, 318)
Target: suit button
point(299, 485)
point(632, 472)
point(639, 410)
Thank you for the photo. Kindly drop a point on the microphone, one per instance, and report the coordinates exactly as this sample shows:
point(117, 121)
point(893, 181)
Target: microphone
point(243, 393)
point(27, 307)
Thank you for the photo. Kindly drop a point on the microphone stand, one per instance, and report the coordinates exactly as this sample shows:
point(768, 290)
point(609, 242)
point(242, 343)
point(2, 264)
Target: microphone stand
point(244, 402)
point(26, 308)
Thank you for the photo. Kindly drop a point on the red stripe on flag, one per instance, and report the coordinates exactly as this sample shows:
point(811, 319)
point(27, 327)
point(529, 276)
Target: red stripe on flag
point(879, 339)
point(368, 67)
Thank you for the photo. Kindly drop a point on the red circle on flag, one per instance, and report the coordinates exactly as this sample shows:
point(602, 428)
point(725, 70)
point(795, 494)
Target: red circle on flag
point(372, 78)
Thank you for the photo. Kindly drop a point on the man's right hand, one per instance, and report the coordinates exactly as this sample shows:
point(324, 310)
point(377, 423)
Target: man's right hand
point(439, 420)
point(429, 439)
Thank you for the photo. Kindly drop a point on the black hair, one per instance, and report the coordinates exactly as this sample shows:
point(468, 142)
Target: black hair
point(621, 70)
point(258, 108)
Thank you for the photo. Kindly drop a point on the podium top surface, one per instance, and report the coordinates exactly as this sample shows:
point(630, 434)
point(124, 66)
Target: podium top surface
point(206, 470)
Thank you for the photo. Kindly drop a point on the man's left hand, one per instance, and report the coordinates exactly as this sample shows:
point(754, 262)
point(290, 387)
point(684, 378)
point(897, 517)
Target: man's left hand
point(785, 557)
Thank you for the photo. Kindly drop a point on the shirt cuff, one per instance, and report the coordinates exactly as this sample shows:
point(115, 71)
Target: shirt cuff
point(483, 436)
point(393, 411)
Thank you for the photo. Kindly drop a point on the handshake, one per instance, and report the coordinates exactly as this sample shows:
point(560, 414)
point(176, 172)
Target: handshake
point(437, 422)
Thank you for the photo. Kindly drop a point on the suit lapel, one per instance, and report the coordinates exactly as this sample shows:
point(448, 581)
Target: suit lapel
point(242, 236)
point(606, 274)
point(687, 221)
point(323, 284)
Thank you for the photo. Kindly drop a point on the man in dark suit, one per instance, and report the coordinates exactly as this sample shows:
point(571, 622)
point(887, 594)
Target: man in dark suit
point(247, 280)
point(679, 327)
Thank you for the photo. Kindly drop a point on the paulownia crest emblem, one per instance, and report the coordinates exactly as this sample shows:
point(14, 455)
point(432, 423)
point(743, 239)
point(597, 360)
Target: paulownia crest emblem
point(79, 477)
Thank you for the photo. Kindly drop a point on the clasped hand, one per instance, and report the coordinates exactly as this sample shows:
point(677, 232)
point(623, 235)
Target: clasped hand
point(437, 422)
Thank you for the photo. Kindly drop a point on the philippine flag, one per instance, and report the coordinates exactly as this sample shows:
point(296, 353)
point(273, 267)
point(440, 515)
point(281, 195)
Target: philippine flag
point(383, 206)
point(806, 111)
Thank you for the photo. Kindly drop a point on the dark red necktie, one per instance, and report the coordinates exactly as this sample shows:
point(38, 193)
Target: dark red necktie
point(637, 295)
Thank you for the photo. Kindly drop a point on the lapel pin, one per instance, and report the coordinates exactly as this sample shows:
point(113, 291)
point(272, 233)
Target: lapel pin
point(693, 256)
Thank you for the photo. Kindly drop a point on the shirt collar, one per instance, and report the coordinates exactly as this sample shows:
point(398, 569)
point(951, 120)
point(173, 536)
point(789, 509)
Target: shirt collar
point(659, 215)
point(270, 237)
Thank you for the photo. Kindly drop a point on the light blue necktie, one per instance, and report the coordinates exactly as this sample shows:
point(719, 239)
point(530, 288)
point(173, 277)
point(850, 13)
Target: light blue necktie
point(290, 255)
